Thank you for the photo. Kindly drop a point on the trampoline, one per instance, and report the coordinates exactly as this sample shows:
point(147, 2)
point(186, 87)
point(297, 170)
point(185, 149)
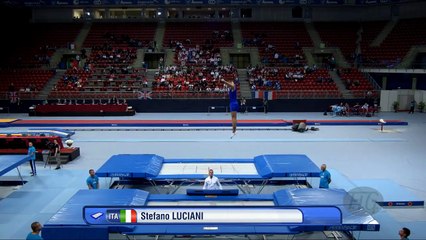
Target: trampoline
point(9, 162)
point(178, 172)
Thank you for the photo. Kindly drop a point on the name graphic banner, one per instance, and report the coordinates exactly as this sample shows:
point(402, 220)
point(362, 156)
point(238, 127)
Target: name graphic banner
point(202, 215)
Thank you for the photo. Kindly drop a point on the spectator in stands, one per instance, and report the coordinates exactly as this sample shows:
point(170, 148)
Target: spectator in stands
point(404, 233)
point(325, 177)
point(161, 63)
point(265, 106)
point(297, 45)
point(243, 105)
point(364, 108)
point(356, 83)
point(412, 106)
point(32, 154)
point(233, 105)
point(346, 109)
point(35, 234)
point(55, 153)
point(212, 182)
point(92, 181)
point(114, 100)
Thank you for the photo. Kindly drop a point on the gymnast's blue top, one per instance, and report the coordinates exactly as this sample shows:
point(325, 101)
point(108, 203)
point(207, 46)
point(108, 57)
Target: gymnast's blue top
point(233, 95)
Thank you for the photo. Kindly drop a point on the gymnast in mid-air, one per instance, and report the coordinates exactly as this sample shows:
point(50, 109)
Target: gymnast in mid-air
point(233, 104)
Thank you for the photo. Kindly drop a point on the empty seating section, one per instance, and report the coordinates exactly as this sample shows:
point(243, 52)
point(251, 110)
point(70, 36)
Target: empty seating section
point(196, 82)
point(26, 82)
point(199, 33)
point(406, 33)
point(370, 30)
point(345, 36)
point(120, 35)
point(286, 39)
point(341, 35)
point(294, 82)
point(357, 83)
point(44, 39)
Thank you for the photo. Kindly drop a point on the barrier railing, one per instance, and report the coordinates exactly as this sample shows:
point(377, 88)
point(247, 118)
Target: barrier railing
point(138, 95)
point(366, 94)
point(307, 94)
point(282, 94)
point(18, 95)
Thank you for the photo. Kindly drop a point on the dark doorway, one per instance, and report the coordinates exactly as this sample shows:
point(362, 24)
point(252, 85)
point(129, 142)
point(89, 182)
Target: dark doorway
point(246, 13)
point(420, 61)
point(152, 60)
point(297, 12)
point(323, 59)
point(240, 60)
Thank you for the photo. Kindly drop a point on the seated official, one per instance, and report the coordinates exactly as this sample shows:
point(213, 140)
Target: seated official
point(212, 182)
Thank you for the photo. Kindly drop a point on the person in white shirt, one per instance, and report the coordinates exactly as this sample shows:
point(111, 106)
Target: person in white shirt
point(212, 182)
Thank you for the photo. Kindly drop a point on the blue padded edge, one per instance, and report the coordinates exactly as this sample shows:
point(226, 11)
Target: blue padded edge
point(309, 197)
point(131, 165)
point(155, 165)
point(9, 162)
point(71, 212)
point(288, 165)
point(352, 212)
point(65, 132)
point(263, 167)
point(76, 232)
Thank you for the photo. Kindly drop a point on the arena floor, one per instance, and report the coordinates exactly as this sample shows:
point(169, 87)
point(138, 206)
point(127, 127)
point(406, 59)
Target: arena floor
point(355, 152)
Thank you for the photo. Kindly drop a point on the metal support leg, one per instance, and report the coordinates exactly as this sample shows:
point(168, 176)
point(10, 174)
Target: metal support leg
point(241, 188)
point(20, 176)
point(154, 185)
point(177, 188)
point(264, 182)
point(47, 162)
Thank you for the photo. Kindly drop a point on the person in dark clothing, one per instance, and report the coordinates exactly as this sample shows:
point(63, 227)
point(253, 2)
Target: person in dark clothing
point(412, 106)
point(265, 106)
